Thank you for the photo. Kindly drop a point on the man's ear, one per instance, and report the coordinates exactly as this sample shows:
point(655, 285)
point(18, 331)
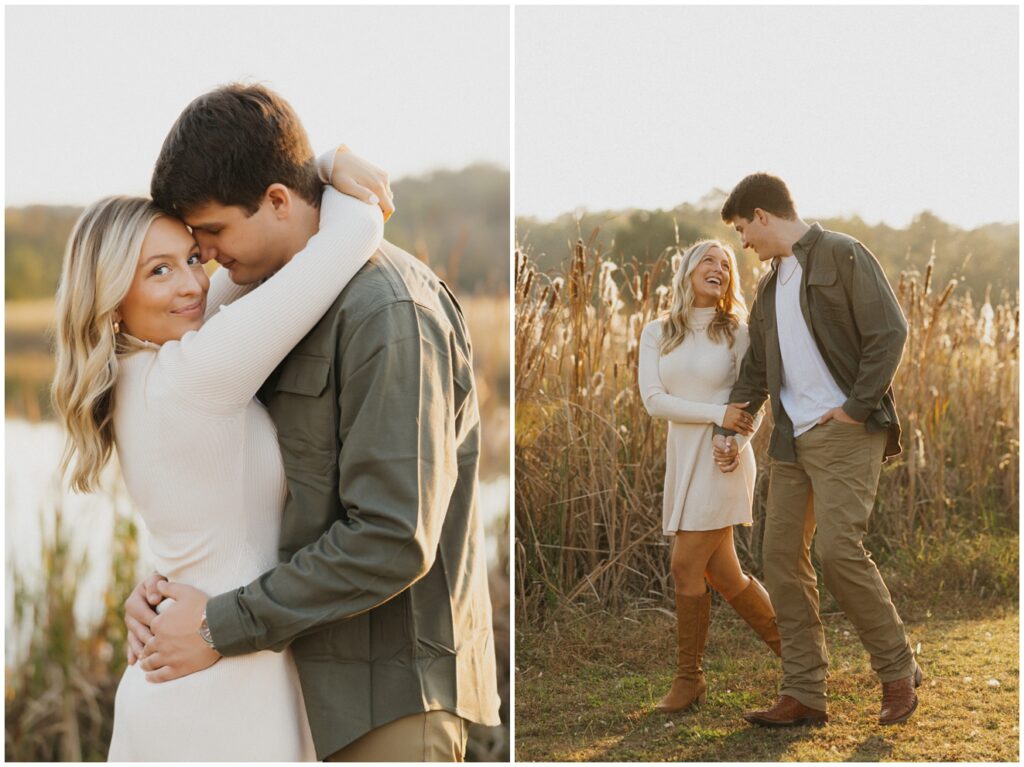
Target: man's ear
point(280, 198)
point(761, 215)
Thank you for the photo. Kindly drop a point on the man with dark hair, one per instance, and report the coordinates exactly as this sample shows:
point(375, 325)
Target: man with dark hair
point(759, 190)
point(228, 146)
point(826, 337)
point(381, 591)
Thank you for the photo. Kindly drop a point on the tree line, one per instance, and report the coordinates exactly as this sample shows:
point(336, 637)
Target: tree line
point(456, 221)
point(976, 258)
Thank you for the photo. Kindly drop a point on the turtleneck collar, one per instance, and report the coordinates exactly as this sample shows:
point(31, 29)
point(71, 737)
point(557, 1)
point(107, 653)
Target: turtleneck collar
point(700, 317)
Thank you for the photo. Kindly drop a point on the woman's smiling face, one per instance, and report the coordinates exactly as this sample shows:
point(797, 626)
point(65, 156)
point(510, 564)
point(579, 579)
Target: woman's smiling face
point(167, 298)
point(711, 277)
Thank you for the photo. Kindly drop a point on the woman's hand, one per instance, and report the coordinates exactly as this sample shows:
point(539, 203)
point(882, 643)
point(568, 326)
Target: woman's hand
point(726, 451)
point(737, 419)
point(139, 614)
point(358, 178)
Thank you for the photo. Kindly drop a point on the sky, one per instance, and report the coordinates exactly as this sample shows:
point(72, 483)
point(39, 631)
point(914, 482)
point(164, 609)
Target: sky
point(92, 91)
point(876, 111)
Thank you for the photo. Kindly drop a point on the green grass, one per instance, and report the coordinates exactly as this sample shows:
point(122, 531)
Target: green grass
point(586, 686)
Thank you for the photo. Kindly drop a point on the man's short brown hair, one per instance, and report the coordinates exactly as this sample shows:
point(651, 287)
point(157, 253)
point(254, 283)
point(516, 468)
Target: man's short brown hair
point(759, 190)
point(228, 146)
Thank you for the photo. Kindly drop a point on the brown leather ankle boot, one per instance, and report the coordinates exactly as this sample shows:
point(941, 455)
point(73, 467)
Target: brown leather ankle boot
point(899, 698)
point(692, 617)
point(754, 606)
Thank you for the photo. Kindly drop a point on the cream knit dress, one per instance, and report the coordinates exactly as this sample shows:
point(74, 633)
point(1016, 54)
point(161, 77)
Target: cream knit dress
point(200, 459)
point(689, 387)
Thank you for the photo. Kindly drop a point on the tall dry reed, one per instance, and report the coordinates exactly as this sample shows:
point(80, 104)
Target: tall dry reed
point(590, 461)
point(60, 698)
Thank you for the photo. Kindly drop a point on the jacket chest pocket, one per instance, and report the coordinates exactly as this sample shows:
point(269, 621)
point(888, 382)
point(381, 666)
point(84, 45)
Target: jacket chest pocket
point(826, 296)
point(303, 411)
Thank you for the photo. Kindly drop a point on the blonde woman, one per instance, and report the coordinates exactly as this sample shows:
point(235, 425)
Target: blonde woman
point(153, 361)
point(689, 360)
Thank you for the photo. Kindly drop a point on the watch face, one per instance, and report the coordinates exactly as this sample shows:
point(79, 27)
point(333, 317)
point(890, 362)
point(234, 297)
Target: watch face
point(204, 631)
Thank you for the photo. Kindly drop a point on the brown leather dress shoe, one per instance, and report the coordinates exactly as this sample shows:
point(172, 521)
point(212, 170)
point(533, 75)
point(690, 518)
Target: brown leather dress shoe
point(899, 698)
point(787, 712)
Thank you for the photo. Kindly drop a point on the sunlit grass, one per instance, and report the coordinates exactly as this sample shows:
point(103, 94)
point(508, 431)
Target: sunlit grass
point(586, 686)
point(35, 315)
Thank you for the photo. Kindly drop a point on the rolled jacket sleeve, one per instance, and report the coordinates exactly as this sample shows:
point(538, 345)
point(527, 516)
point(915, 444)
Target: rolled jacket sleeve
point(396, 474)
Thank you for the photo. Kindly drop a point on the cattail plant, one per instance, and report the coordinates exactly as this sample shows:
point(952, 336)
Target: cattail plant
point(590, 461)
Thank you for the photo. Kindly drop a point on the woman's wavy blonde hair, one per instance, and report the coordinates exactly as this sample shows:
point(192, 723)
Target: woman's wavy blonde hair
point(99, 265)
point(729, 311)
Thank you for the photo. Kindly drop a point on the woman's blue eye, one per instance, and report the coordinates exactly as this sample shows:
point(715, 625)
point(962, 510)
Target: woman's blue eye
point(161, 273)
point(194, 259)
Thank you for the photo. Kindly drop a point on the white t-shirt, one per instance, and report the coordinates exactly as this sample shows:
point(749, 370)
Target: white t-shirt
point(808, 389)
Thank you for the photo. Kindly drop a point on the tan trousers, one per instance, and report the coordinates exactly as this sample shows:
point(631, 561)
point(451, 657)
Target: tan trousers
point(831, 486)
point(434, 736)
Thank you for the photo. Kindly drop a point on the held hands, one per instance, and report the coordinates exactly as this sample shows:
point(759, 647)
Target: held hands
point(173, 647)
point(737, 419)
point(727, 453)
point(358, 178)
point(840, 415)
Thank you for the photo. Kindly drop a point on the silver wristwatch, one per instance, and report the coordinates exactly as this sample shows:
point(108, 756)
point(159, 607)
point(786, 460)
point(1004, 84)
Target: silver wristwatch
point(204, 631)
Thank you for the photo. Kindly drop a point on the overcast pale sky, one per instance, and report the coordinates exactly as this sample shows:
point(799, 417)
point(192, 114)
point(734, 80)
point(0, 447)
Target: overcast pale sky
point(878, 111)
point(92, 91)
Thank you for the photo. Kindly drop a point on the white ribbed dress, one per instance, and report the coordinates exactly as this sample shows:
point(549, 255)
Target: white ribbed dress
point(690, 388)
point(201, 460)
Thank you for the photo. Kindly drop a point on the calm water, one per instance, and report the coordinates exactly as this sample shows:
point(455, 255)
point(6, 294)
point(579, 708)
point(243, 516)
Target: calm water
point(34, 493)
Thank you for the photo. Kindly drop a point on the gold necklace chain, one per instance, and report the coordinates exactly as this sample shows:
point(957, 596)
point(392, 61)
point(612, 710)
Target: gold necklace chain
point(790, 277)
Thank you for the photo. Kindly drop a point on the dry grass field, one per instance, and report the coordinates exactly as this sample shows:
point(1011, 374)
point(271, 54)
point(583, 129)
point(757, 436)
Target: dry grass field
point(488, 318)
point(585, 690)
point(594, 628)
point(590, 460)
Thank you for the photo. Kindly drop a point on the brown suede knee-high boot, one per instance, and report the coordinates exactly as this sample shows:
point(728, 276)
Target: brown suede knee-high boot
point(692, 617)
point(754, 606)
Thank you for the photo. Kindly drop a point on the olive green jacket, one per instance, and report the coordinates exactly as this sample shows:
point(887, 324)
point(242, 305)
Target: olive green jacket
point(382, 588)
point(856, 323)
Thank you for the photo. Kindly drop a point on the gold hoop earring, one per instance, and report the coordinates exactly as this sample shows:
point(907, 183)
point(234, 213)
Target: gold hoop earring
point(117, 327)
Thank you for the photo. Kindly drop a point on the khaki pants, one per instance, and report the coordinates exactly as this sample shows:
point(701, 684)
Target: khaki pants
point(832, 486)
point(434, 736)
